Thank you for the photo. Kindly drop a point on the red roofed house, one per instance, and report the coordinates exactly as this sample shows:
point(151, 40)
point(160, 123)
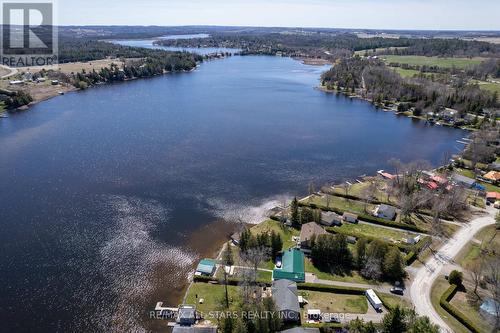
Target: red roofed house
point(432, 185)
point(492, 196)
point(439, 179)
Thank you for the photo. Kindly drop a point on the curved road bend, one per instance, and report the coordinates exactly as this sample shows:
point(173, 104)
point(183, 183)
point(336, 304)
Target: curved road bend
point(420, 289)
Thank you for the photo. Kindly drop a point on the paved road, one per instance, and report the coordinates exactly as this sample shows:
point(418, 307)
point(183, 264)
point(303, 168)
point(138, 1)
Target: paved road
point(425, 276)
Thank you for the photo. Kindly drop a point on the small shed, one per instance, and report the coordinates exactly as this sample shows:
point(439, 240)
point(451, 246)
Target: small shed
point(412, 240)
point(350, 217)
point(331, 218)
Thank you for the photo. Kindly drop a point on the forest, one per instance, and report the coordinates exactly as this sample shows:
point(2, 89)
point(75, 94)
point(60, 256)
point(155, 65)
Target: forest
point(382, 85)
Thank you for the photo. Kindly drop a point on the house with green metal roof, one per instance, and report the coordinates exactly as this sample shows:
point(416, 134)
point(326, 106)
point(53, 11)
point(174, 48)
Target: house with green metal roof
point(292, 267)
point(206, 267)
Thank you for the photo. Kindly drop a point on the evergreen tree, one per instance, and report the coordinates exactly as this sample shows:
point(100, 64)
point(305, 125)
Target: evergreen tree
point(276, 245)
point(294, 212)
point(394, 322)
point(361, 253)
point(227, 256)
point(393, 265)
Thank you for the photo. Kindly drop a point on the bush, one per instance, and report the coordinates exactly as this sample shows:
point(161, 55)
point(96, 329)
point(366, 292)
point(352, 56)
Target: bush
point(331, 289)
point(410, 258)
point(455, 278)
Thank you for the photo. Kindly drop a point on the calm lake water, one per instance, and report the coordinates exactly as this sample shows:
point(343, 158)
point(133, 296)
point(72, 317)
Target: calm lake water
point(109, 196)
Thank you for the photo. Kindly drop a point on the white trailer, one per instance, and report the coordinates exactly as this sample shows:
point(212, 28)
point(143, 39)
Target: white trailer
point(373, 299)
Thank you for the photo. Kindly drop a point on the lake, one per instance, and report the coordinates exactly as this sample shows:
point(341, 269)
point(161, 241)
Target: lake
point(109, 196)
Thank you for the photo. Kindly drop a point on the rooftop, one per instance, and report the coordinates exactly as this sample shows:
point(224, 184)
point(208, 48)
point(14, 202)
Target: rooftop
point(292, 266)
point(285, 295)
point(206, 266)
point(309, 230)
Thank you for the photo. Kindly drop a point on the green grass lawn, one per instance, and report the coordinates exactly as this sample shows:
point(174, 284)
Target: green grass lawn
point(438, 289)
point(433, 61)
point(489, 237)
point(285, 232)
point(343, 204)
point(394, 300)
point(405, 72)
point(353, 276)
point(213, 296)
point(335, 303)
point(372, 230)
point(489, 86)
point(357, 190)
point(379, 49)
point(460, 302)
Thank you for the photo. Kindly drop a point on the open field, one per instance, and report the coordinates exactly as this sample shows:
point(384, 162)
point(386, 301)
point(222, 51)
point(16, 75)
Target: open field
point(380, 49)
point(488, 238)
point(405, 72)
point(340, 203)
point(335, 303)
point(370, 230)
point(490, 86)
point(433, 61)
point(213, 296)
point(75, 67)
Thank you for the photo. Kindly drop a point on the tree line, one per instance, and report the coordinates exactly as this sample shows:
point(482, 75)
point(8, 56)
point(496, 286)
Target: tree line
point(383, 86)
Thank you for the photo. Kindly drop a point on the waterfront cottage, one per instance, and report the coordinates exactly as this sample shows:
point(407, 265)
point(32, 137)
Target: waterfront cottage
point(385, 212)
point(292, 266)
point(308, 232)
point(285, 296)
point(350, 217)
point(206, 267)
point(186, 315)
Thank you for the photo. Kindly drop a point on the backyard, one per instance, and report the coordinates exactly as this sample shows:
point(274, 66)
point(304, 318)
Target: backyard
point(335, 303)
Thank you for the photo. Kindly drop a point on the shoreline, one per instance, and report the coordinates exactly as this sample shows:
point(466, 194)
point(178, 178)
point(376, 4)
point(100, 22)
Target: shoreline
point(386, 109)
point(67, 87)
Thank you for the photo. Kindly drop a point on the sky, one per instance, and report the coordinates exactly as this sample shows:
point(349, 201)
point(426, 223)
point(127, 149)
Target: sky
point(367, 14)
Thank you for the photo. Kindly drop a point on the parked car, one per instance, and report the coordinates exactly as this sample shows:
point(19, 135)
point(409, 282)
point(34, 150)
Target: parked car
point(397, 290)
